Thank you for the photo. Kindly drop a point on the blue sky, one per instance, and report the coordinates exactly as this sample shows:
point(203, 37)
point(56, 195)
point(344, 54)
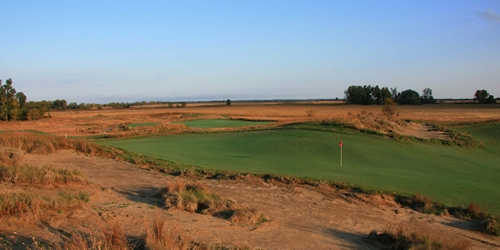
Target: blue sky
point(105, 51)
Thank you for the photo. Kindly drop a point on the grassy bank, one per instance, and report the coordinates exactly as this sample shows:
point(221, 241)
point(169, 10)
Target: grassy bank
point(452, 175)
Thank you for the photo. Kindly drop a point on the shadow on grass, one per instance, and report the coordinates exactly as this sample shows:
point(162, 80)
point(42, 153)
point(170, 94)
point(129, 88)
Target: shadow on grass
point(347, 240)
point(463, 224)
point(145, 195)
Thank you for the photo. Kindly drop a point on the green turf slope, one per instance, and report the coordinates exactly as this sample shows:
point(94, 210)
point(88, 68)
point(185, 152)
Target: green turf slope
point(452, 175)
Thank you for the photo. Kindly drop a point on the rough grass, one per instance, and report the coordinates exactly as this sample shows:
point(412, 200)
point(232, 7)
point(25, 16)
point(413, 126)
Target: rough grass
point(161, 235)
point(158, 235)
point(31, 203)
point(45, 144)
point(46, 175)
point(412, 237)
point(247, 216)
point(194, 198)
point(220, 123)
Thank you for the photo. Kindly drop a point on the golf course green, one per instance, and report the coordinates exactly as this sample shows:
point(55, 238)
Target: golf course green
point(221, 123)
point(449, 174)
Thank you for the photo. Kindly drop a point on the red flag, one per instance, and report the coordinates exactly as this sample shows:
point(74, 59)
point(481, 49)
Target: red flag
point(340, 144)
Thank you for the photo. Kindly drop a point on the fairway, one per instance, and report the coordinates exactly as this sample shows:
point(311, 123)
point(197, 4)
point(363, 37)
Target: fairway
point(221, 123)
point(452, 175)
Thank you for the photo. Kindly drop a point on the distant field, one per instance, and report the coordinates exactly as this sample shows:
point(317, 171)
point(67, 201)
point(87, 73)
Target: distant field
point(221, 123)
point(452, 175)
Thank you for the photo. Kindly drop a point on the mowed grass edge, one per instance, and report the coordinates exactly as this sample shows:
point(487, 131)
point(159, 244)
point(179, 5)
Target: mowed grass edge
point(452, 175)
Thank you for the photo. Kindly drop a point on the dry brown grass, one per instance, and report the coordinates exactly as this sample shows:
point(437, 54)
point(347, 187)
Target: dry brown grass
point(247, 216)
point(404, 236)
point(191, 197)
point(45, 176)
point(92, 122)
point(110, 237)
point(28, 203)
point(10, 156)
point(194, 198)
point(45, 144)
point(160, 235)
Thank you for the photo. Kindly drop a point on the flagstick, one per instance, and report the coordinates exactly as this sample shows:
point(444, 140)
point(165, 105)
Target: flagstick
point(341, 156)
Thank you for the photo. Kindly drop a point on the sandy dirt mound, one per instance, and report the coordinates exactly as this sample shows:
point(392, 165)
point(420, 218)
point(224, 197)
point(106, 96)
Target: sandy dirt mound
point(393, 125)
point(298, 216)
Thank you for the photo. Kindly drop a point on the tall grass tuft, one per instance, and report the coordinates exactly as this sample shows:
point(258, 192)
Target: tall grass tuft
point(192, 198)
point(160, 236)
point(110, 237)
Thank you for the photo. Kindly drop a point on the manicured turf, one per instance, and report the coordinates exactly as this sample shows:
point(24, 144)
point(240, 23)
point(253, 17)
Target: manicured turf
point(452, 175)
point(221, 123)
point(145, 124)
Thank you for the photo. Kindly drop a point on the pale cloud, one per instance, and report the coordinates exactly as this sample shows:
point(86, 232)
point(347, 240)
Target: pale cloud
point(489, 15)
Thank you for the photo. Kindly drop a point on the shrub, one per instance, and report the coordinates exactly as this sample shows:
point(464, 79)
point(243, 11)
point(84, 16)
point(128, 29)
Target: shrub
point(492, 225)
point(389, 108)
point(191, 198)
point(247, 216)
point(311, 112)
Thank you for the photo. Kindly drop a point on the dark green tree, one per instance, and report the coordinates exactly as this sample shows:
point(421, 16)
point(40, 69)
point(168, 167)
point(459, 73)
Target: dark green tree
point(410, 97)
point(482, 96)
point(9, 105)
point(21, 99)
point(366, 95)
point(228, 102)
point(427, 96)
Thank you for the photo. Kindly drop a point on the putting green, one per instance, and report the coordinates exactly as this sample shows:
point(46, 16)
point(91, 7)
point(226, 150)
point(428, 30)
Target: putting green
point(452, 175)
point(221, 123)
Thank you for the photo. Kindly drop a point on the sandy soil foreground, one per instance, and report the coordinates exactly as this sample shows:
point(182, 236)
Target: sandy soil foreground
point(299, 216)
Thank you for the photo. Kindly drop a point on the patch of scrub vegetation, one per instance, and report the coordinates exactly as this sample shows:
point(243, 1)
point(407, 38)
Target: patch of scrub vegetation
point(144, 124)
point(221, 123)
point(194, 198)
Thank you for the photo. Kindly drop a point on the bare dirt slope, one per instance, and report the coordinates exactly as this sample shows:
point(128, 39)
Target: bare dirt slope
point(299, 216)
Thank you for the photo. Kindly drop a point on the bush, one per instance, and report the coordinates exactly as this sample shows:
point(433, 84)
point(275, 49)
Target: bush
point(389, 108)
point(192, 198)
point(311, 112)
point(492, 225)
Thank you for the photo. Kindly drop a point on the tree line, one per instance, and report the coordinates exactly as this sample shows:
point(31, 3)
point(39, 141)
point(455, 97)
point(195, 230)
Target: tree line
point(15, 105)
point(368, 95)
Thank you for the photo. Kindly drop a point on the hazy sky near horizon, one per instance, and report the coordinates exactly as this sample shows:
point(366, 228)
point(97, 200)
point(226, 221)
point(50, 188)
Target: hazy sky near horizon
point(106, 51)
